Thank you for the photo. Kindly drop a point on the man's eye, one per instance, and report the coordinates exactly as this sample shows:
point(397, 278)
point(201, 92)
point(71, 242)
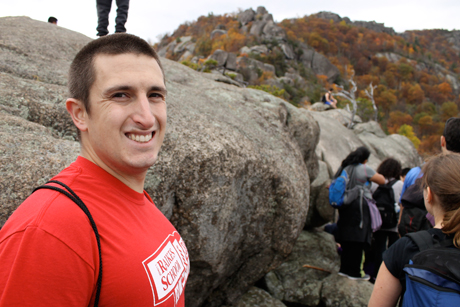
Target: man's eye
point(156, 95)
point(119, 95)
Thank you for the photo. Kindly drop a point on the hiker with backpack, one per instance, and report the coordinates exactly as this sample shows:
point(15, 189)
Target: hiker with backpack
point(354, 224)
point(424, 267)
point(386, 197)
point(413, 216)
point(329, 99)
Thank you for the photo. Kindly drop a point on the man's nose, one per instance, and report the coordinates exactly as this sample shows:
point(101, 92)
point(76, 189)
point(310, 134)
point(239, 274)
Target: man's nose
point(142, 113)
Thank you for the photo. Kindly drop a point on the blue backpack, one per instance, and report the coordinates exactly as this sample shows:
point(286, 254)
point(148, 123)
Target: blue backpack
point(337, 189)
point(433, 275)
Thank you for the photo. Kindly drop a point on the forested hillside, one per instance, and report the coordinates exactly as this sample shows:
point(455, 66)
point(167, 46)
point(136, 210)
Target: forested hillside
point(415, 74)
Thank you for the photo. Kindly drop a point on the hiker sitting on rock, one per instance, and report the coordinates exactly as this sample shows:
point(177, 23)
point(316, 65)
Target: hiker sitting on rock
point(329, 99)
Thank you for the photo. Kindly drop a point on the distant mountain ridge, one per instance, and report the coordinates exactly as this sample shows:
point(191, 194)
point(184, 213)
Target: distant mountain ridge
point(415, 73)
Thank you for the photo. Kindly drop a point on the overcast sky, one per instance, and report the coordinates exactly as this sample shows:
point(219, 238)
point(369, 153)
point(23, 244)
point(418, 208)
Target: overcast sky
point(151, 19)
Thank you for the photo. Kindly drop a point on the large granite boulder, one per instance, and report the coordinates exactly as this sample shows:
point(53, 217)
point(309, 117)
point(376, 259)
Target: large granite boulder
point(320, 212)
point(318, 63)
point(292, 282)
point(233, 174)
point(336, 141)
point(246, 16)
point(252, 69)
point(257, 297)
point(341, 291)
point(318, 284)
point(383, 146)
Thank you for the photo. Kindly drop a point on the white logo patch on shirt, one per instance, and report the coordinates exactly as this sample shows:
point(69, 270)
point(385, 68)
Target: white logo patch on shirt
point(168, 269)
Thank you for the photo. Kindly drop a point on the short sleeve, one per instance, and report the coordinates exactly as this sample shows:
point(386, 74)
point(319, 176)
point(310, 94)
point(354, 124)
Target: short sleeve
point(369, 172)
point(398, 255)
point(37, 263)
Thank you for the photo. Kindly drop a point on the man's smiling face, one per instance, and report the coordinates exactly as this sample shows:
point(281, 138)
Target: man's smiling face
point(127, 121)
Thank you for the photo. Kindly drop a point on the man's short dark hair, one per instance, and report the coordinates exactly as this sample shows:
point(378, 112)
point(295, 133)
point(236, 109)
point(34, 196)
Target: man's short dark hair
point(52, 19)
point(82, 73)
point(452, 134)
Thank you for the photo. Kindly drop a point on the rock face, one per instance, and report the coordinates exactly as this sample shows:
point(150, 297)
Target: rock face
point(256, 297)
point(233, 175)
point(240, 174)
point(293, 283)
point(319, 63)
point(336, 141)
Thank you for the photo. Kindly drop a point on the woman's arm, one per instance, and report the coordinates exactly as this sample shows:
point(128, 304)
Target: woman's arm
point(377, 178)
point(387, 289)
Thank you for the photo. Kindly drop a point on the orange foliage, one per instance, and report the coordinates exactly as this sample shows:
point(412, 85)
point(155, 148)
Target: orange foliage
point(396, 120)
point(430, 145)
point(323, 80)
point(415, 94)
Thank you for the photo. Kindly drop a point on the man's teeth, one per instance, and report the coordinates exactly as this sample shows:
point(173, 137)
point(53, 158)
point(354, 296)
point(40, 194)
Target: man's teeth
point(140, 138)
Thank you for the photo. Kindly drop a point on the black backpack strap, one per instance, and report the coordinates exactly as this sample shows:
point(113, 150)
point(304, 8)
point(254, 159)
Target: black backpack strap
point(392, 182)
point(423, 239)
point(74, 197)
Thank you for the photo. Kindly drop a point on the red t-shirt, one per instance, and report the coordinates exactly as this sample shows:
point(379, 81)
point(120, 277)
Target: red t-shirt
point(49, 254)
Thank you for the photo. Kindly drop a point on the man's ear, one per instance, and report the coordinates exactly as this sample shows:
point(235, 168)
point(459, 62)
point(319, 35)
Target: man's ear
point(77, 111)
point(443, 141)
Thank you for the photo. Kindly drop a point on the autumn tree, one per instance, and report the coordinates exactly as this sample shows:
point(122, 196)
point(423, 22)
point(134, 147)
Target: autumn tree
point(448, 109)
point(396, 120)
point(408, 132)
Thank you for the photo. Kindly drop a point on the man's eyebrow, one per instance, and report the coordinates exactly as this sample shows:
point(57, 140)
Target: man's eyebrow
point(116, 88)
point(159, 89)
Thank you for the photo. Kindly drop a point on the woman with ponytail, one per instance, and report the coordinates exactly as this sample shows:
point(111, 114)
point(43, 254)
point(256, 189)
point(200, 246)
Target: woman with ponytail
point(354, 224)
point(441, 191)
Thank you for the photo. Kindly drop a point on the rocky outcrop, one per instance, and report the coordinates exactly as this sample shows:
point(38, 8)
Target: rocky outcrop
point(256, 297)
point(334, 135)
point(240, 174)
point(233, 175)
point(371, 25)
point(317, 284)
point(318, 63)
point(374, 26)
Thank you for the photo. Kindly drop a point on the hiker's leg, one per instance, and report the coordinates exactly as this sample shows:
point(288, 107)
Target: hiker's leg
point(352, 255)
point(103, 10)
point(122, 15)
point(380, 244)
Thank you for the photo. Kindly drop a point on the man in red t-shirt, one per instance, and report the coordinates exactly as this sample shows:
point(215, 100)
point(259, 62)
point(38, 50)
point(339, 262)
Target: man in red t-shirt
point(48, 251)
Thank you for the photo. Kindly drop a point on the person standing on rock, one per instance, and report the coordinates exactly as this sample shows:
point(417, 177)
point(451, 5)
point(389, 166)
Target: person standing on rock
point(354, 224)
point(103, 10)
point(119, 249)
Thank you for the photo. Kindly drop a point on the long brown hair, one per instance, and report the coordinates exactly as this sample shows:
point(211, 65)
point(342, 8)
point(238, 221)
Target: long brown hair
point(442, 174)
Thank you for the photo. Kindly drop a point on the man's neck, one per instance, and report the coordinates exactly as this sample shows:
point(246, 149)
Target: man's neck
point(135, 183)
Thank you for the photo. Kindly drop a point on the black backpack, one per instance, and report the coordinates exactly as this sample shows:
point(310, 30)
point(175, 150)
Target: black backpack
point(413, 217)
point(323, 99)
point(385, 201)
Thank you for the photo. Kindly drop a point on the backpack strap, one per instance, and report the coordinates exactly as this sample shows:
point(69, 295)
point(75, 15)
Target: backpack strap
point(392, 182)
point(74, 197)
point(423, 239)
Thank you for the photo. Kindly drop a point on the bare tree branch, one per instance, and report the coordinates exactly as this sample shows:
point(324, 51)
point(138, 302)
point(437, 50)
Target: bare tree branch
point(350, 96)
point(370, 94)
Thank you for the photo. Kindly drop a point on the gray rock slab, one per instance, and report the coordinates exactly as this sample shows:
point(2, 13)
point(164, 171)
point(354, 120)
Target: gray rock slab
point(341, 291)
point(291, 282)
point(246, 16)
point(220, 56)
point(257, 297)
point(44, 56)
